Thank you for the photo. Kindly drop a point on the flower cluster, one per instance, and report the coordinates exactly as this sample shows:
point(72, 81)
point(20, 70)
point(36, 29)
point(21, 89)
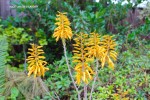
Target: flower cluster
point(94, 48)
point(82, 68)
point(86, 49)
point(63, 29)
point(36, 61)
point(109, 51)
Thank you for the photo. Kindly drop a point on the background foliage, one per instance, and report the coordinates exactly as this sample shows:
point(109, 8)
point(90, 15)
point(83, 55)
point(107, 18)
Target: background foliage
point(3, 55)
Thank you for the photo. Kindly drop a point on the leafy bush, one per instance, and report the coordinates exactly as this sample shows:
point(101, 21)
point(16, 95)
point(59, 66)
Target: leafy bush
point(130, 80)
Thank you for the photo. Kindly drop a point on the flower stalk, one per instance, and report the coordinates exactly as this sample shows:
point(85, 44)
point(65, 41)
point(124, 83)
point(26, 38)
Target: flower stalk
point(69, 69)
point(63, 32)
point(95, 78)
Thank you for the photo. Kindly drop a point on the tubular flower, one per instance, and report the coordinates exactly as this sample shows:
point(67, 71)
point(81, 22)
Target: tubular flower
point(109, 53)
point(94, 48)
point(83, 70)
point(36, 61)
point(63, 29)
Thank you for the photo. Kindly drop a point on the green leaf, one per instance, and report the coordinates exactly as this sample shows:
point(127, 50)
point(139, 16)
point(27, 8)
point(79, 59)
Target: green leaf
point(131, 36)
point(3, 54)
point(42, 42)
point(14, 93)
point(2, 97)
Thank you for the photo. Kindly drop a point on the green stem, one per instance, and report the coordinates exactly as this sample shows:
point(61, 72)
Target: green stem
point(69, 69)
point(95, 78)
point(25, 62)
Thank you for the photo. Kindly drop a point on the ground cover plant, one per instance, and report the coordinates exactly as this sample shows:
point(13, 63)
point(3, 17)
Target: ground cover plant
point(70, 50)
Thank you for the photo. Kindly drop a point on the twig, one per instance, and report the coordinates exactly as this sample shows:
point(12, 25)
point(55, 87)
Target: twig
point(85, 92)
point(69, 69)
point(95, 78)
point(43, 87)
point(57, 96)
point(33, 88)
point(25, 63)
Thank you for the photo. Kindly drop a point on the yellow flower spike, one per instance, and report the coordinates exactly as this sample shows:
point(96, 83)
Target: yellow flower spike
point(63, 29)
point(36, 61)
point(83, 70)
point(94, 48)
point(111, 64)
point(109, 51)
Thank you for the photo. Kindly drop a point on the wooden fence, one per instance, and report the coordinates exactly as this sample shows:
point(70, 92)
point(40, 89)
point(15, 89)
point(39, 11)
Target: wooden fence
point(6, 8)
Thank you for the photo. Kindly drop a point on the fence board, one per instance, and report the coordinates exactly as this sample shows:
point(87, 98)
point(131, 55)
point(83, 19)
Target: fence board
point(5, 9)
